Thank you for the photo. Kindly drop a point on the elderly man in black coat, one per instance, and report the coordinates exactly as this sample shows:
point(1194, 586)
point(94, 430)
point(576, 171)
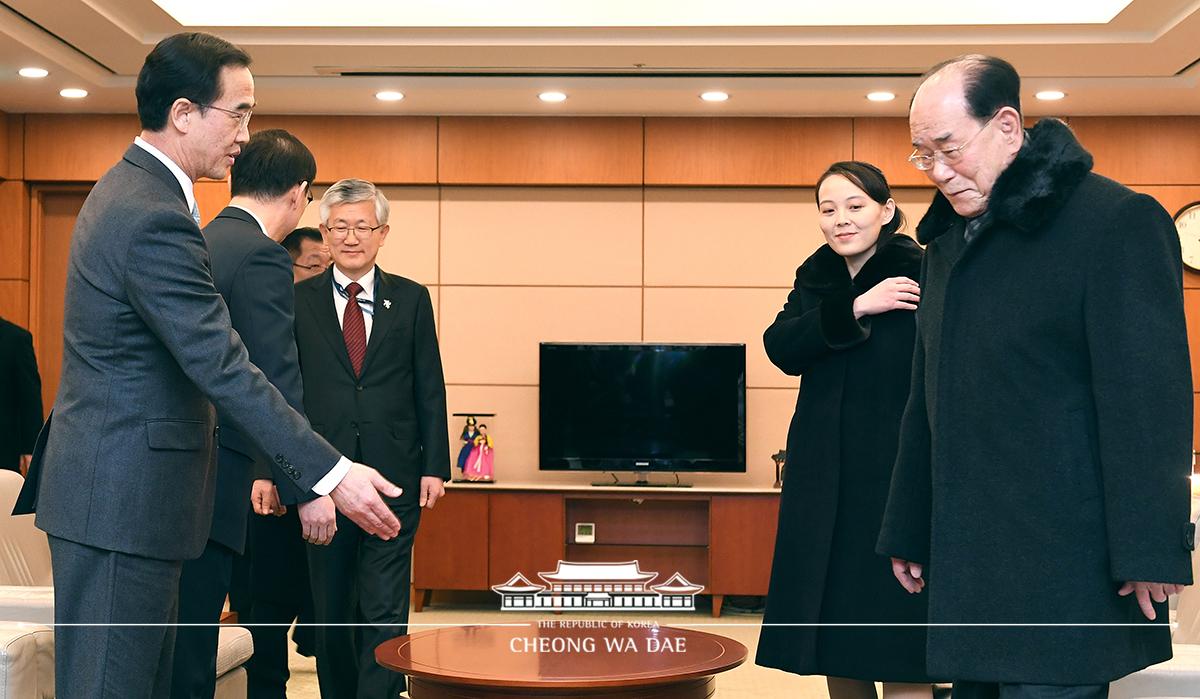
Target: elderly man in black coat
point(1045, 448)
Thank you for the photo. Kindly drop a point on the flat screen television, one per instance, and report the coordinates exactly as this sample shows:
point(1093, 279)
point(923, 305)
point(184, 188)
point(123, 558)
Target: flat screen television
point(642, 407)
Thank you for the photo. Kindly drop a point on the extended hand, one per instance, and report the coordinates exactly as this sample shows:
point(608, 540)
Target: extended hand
point(896, 293)
point(264, 498)
point(1146, 591)
point(432, 490)
point(357, 497)
point(909, 575)
point(318, 518)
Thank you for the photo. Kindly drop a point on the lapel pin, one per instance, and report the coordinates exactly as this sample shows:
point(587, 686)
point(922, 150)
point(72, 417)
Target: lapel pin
point(387, 303)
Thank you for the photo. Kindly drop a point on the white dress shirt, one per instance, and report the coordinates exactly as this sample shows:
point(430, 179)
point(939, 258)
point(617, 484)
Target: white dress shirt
point(366, 297)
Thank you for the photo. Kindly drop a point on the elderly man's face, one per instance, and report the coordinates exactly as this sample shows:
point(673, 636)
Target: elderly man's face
point(217, 133)
point(354, 236)
point(939, 121)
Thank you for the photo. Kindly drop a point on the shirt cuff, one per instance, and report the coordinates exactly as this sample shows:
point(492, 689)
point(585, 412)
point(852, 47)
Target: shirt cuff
point(330, 481)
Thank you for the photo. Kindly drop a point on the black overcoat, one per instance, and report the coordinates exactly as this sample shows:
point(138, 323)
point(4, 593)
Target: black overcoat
point(1045, 447)
point(840, 451)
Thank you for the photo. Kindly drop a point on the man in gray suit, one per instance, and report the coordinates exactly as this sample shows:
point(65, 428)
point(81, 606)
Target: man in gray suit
point(122, 477)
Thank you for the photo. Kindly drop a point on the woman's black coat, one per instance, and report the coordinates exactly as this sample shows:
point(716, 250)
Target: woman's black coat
point(1046, 445)
point(840, 451)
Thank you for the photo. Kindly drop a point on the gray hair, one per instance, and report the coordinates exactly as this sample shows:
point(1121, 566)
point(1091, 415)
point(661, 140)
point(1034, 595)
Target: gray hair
point(352, 191)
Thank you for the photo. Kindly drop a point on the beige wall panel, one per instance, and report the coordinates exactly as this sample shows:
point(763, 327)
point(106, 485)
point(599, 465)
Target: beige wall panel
point(528, 236)
point(914, 202)
point(411, 249)
point(719, 315)
point(540, 150)
point(382, 149)
point(728, 237)
point(14, 230)
point(1143, 149)
point(515, 431)
point(490, 335)
point(14, 301)
point(765, 152)
point(75, 147)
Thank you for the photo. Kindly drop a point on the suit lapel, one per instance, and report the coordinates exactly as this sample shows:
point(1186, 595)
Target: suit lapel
point(320, 304)
point(383, 319)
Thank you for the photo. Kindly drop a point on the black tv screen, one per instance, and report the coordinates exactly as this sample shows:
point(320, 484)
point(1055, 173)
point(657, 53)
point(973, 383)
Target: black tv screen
point(643, 407)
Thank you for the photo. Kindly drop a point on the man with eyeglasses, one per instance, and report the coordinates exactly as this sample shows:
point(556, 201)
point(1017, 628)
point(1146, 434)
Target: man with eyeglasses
point(1040, 495)
point(309, 254)
point(269, 182)
point(373, 386)
point(123, 474)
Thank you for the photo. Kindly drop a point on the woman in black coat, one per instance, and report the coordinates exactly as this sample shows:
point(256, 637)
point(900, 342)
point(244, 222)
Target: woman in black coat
point(847, 327)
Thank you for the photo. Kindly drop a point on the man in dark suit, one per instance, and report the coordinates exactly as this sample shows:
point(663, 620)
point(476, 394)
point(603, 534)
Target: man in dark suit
point(21, 408)
point(373, 386)
point(122, 476)
point(253, 273)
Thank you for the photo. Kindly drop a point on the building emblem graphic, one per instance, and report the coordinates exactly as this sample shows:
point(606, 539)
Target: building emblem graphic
point(609, 586)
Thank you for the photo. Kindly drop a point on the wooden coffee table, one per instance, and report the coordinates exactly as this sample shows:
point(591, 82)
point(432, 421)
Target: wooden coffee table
point(561, 659)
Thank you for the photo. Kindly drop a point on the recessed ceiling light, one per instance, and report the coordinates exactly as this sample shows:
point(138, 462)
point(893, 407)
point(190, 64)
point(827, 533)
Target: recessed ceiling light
point(552, 96)
point(714, 96)
point(73, 93)
point(33, 72)
point(1050, 95)
point(881, 96)
point(389, 96)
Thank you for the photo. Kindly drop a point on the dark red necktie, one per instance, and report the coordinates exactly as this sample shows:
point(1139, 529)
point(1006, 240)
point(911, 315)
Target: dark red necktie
point(354, 330)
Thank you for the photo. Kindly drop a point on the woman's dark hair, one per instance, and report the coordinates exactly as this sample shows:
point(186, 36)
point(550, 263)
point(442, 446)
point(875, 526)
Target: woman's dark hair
point(183, 65)
point(870, 180)
point(271, 163)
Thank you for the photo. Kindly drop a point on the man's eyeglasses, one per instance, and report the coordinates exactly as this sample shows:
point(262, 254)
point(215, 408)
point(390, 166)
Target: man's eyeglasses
point(319, 267)
point(946, 156)
point(242, 117)
point(340, 232)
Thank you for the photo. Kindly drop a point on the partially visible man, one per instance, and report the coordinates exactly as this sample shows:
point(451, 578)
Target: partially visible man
point(269, 182)
point(309, 254)
point(1044, 452)
point(373, 385)
point(122, 476)
point(21, 407)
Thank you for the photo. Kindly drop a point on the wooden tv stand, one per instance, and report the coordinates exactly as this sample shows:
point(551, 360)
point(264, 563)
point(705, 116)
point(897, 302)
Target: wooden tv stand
point(479, 536)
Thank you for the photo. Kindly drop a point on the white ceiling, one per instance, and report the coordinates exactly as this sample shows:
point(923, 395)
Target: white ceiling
point(1146, 60)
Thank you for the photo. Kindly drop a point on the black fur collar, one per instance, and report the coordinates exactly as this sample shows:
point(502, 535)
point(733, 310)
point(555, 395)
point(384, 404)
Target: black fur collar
point(1047, 169)
point(826, 271)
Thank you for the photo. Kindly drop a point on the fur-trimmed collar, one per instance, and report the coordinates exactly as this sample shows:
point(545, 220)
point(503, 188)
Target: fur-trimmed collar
point(1047, 169)
point(826, 271)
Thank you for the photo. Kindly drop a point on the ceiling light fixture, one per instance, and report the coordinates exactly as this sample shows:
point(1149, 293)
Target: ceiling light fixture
point(1050, 95)
point(389, 96)
point(714, 96)
point(881, 96)
point(73, 93)
point(33, 72)
point(552, 96)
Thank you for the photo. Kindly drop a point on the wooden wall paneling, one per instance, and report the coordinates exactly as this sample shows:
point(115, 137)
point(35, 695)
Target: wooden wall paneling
point(12, 146)
point(885, 142)
point(53, 210)
point(451, 548)
point(381, 149)
point(1162, 150)
point(744, 151)
point(526, 534)
point(75, 147)
point(211, 197)
point(743, 541)
point(14, 230)
point(14, 301)
point(540, 150)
